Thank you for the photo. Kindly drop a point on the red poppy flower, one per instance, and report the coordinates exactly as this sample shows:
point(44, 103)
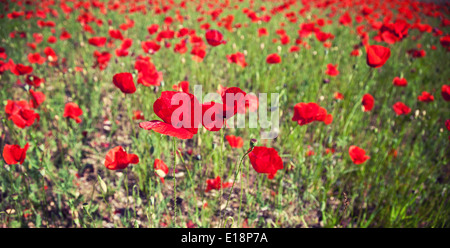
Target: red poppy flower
point(147, 73)
point(71, 110)
point(198, 54)
point(358, 155)
point(52, 39)
point(445, 92)
point(20, 113)
point(126, 43)
point(332, 70)
point(181, 47)
point(102, 59)
point(97, 41)
point(216, 184)
point(51, 54)
point(35, 58)
point(165, 34)
point(377, 55)
point(447, 124)
point(401, 109)
point(400, 82)
point(117, 159)
point(213, 116)
point(294, 49)
point(251, 104)
point(37, 98)
point(32, 80)
point(338, 96)
point(234, 101)
point(214, 37)
point(13, 154)
point(305, 113)
point(345, 19)
point(65, 35)
point(182, 86)
point(235, 141)
point(425, 97)
point(21, 69)
point(161, 169)
point(124, 81)
point(368, 101)
point(152, 29)
point(355, 53)
point(265, 160)
point(138, 115)
point(273, 59)
point(237, 58)
point(262, 32)
point(150, 47)
point(115, 34)
point(175, 124)
point(415, 53)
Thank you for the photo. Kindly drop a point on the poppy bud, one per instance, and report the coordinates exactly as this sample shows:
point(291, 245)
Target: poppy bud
point(253, 143)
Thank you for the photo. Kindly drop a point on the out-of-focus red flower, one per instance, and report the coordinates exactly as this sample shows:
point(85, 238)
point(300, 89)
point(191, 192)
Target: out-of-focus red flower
point(305, 113)
point(338, 96)
point(345, 19)
point(445, 92)
point(332, 70)
point(358, 155)
point(447, 124)
point(416, 53)
point(262, 32)
point(368, 102)
point(21, 69)
point(150, 47)
point(115, 34)
point(235, 141)
point(377, 55)
point(117, 158)
point(152, 29)
point(214, 37)
point(216, 184)
point(401, 108)
point(65, 35)
point(237, 58)
point(273, 59)
point(35, 58)
point(425, 97)
point(181, 86)
point(147, 73)
point(34, 81)
point(20, 113)
point(52, 39)
point(265, 160)
point(124, 81)
point(138, 115)
point(401, 82)
point(13, 154)
point(71, 110)
point(37, 98)
point(97, 41)
point(161, 169)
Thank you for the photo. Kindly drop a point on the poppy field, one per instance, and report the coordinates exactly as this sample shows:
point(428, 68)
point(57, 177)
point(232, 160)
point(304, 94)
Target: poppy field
point(322, 113)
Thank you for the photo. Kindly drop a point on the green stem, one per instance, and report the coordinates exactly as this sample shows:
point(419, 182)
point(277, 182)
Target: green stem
point(235, 176)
